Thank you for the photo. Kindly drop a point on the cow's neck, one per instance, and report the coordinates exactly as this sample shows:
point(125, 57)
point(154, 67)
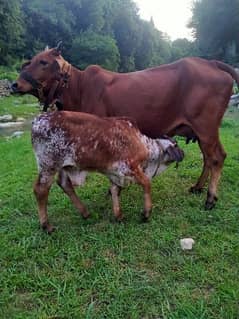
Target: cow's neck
point(71, 94)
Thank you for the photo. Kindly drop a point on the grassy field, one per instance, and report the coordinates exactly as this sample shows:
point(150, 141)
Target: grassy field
point(19, 106)
point(100, 269)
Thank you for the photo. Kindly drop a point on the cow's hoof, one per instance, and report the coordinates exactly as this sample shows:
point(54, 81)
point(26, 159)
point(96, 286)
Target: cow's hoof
point(49, 229)
point(195, 190)
point(86, 215)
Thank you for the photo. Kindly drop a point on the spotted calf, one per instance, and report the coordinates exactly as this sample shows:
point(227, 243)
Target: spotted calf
point(70, 144)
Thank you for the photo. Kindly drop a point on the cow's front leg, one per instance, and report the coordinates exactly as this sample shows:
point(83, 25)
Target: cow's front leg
point(41, 190)
point(144, 181)
point(65, 183)
point(115, 191)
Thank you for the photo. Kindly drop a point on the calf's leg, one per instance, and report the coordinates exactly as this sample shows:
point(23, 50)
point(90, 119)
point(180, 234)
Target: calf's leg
point(65, 183)
point(115, 191)
point(41, 190)
point(144, 181)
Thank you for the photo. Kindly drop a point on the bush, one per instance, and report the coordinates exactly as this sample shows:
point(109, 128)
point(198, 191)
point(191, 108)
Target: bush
point(93, 48)
point(8, 73)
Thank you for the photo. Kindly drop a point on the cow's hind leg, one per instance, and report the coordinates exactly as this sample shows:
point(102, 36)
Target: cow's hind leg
point(198, 187)
point(41, 190)
point(216, 163)
point(144, 181)
point(64, 182)
point(214, 156)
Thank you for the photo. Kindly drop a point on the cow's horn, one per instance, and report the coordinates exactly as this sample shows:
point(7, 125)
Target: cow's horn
point(46, 48)
point(59, 46)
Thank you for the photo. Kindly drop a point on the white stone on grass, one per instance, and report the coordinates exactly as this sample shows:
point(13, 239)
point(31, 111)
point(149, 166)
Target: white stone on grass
point(187, 243)
point(17, 134)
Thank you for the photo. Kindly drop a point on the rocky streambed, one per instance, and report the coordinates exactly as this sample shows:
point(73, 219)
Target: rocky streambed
point(13, 127)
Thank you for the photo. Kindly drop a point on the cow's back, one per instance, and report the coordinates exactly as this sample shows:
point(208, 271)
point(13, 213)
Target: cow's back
point(159, 99)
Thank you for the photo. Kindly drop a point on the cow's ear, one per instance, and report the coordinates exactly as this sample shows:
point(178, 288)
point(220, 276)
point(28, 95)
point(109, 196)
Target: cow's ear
point(57, 49)
point(56, 52)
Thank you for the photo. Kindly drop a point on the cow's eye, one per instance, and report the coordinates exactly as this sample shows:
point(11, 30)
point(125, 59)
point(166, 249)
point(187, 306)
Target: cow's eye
point(43, 62)
point(25, 64)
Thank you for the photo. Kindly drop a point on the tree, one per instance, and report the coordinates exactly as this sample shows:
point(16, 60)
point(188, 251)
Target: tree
point(215, 26)
point(126, 32)
point(12, 30)
point(181, 48)
point(152, 48)
point(93, 48)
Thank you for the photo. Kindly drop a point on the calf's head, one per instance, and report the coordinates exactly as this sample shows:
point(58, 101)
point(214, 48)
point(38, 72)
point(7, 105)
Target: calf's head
point(169, 151)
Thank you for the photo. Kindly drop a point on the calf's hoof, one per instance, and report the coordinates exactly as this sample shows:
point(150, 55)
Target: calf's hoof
point(195, 190)
point(210, 202)
point(145, 217)
point(119, 218)
point(48, 228)
point(209, 205)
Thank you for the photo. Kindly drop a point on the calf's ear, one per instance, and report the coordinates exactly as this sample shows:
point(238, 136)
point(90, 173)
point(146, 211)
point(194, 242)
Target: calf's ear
point(175, 153)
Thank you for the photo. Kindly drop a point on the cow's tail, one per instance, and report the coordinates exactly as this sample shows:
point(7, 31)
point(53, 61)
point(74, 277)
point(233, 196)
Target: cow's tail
point(227, 68)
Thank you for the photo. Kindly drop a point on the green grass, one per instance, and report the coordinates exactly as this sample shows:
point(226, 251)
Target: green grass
point(100, 269)
point(8, 73)
point(19, 106)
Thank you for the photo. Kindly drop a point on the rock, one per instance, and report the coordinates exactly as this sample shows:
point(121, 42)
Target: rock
point(5, 88)
point(187, 243)
point(21, 119)
point(17, 134)
point(234, 100)
point(6, 118)
point(10, 124)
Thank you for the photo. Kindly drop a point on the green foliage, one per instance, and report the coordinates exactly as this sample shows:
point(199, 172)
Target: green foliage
point(110, 30)
point(12, 31)
point(101, 26)
point(6, 73)
point(101, 269)
point(152, 48)
point(93, 48)
point(221, 18)
point(182, 48)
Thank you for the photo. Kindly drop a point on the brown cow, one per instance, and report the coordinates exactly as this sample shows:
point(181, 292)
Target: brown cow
point(70, 143)
point(187, 98)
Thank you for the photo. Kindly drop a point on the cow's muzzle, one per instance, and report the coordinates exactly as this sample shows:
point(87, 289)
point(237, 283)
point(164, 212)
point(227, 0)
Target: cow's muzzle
point(14, 87)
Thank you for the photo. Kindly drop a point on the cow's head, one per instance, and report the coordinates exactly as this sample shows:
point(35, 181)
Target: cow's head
point(38, 75)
